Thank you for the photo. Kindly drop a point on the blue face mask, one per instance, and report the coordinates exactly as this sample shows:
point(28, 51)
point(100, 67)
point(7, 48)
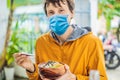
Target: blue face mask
point(58, 24)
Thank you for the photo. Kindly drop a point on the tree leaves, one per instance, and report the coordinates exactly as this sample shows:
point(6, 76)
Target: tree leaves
point(18, 3)
point(109, 8)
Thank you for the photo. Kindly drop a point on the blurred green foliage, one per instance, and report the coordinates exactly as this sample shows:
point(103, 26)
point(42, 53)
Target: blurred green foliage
point(27, 2)
point(21, 40)
point(13, 46)
point(109, 8)
point(18, 3)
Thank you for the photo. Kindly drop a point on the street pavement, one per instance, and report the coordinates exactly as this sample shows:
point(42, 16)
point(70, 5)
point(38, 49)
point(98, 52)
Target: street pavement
point(113, 74)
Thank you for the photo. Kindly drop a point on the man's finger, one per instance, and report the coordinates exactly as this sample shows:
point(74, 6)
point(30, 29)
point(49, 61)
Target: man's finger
point(16, 55)
point(20, 57)
point(20, 60)
point(67, 68)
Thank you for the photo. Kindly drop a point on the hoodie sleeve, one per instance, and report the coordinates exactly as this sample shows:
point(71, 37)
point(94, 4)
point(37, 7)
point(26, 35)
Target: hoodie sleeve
point(34, 75)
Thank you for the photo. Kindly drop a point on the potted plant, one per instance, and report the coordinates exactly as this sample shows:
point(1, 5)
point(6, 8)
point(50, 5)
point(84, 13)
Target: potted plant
point(13, 47)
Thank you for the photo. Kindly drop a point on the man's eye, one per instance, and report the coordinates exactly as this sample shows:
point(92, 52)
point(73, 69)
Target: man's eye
point(51, 13)
point(61, 10)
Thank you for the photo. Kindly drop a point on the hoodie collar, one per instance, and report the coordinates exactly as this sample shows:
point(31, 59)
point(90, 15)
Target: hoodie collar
point(77, 33)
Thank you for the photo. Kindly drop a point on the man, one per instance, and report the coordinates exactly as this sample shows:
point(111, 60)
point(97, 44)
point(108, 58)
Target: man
point(79, 49)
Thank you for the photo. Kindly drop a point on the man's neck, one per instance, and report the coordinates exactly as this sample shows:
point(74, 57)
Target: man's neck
point(65, 36)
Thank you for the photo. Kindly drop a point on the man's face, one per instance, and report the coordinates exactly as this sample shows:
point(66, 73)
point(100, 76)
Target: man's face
point(63, 9)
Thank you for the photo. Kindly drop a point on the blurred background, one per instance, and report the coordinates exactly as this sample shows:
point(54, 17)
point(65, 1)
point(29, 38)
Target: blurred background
point(23, 21)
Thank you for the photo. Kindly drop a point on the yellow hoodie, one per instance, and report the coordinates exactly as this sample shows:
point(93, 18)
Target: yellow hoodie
point(82, 55)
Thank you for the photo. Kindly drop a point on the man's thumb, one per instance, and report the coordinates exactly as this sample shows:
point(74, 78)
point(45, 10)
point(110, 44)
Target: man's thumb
point(67, 68)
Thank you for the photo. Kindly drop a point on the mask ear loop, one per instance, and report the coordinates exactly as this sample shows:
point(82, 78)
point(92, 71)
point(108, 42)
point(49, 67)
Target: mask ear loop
point(72, 21)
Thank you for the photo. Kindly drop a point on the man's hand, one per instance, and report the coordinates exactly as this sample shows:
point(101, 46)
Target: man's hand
point(68, 75)
point(24, 61)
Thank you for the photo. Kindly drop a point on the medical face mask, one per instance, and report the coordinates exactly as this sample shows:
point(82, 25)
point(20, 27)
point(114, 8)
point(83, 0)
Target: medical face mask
point(59, 24)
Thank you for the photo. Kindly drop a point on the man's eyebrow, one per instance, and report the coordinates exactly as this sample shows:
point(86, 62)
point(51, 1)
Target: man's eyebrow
point(61, 7)
point(50, 10)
